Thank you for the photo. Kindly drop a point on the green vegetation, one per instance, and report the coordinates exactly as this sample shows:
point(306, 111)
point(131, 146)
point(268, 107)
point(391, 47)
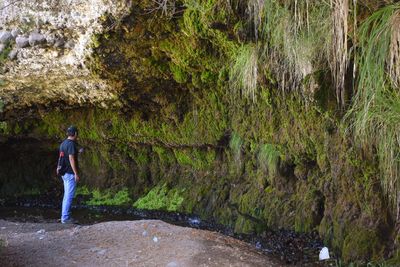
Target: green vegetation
point(375, 113)
point(268, 157)
point(161, 198)
point(244, 72)
point(236, 146)
point(82, 190)
point(109, 198)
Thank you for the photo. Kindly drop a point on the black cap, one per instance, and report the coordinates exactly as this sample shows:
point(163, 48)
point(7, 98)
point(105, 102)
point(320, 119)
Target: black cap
point(72, 130)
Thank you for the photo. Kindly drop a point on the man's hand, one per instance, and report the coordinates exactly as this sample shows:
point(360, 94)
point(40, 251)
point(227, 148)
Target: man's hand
point(77, 178)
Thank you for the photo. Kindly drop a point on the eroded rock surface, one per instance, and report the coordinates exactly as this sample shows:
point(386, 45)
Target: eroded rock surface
point(129, 243)
point(48, 42)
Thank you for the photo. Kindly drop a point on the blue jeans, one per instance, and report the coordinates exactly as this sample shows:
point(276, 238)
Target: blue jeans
point(69, 192)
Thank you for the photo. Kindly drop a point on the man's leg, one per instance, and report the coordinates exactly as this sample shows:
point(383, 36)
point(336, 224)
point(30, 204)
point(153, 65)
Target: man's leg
point(69, 192)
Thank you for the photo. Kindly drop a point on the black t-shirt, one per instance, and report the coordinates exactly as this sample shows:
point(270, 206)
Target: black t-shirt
point(68, 147)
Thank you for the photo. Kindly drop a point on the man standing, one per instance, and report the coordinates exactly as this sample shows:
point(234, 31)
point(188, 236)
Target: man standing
point(68, 168)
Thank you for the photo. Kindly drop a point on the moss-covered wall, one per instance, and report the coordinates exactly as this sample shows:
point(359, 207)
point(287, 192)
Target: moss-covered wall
point(193, 135)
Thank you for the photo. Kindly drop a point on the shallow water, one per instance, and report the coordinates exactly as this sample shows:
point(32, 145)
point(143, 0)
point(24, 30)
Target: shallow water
point(288, 246)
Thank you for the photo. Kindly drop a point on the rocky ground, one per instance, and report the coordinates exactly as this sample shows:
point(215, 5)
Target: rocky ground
point(126, 243)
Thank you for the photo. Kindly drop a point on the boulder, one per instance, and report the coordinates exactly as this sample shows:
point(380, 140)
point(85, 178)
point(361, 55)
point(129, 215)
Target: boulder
point(5, 37)
point(22, 42)
point(36, 39)
point(13, 54)
point(15, 32)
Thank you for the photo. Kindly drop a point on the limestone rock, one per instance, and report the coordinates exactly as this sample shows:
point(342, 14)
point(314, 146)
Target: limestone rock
point(36, 39)
point(59, 42)
point(22, 42)
point(15, 32)
point(70, 44)
point(44, 76)
point(13, 54)
point(5, 37)
point(50, 39)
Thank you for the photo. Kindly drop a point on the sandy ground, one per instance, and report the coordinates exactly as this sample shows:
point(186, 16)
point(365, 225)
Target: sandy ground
point(124, 243)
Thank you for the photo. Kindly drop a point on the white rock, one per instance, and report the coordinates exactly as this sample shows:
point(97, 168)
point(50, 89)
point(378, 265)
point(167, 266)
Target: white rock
point(155, 239)
point(13, 54)
point(5, 37)
point(50, 39)
point(41, 231)
point(22, 42)
point(36, 39)
point(324, 254)
point(102, 251)
point(59, 42)
point(15, 32)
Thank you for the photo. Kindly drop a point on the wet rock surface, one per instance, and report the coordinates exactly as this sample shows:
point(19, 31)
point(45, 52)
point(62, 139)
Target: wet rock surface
point(123, 244)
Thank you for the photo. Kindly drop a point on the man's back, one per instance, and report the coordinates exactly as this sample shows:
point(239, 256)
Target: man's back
point(68, 147)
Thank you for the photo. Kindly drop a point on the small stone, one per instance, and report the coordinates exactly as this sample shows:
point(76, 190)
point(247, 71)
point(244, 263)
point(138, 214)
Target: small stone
point(172, 264)
point(194, 221)
point(36, 39)
point(155, 239)
point(41, 237)
point(102, 251)
point(22, 42)
point(16, 32)
point(70, 44)
point(59, 42)
point(50, 39)
point(41, 231)
point(13, 54)
point(5, 37)
point(2, 47)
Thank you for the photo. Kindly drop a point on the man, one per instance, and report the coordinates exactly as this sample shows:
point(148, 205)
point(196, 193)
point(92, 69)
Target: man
point(68, 169)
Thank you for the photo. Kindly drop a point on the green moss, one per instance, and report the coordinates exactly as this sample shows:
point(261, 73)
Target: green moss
point(268, 157)
point(109, 198)
point(1, 101)
point(362, 244)
point(82, 190)
point(4, 128)
point(179, 75)
point(236, 144)
point(161, 198)
point(4, 54)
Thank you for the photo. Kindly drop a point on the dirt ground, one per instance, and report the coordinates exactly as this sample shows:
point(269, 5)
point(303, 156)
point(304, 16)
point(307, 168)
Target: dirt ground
point(124, 243)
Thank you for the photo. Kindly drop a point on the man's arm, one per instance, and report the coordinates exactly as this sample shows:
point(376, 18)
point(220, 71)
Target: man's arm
point(74, 167)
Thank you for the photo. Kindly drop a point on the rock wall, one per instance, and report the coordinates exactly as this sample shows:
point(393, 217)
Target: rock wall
point(182, 108)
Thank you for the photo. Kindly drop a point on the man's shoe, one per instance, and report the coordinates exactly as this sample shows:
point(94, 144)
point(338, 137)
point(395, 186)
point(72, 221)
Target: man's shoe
point(69, 221)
